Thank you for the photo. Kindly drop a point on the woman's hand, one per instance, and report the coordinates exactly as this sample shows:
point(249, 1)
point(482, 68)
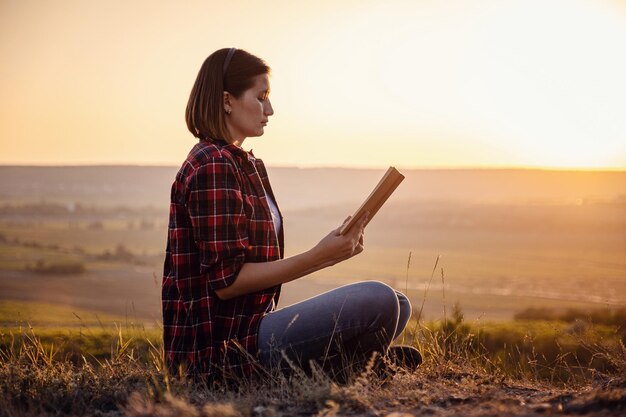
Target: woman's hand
point(335, 248)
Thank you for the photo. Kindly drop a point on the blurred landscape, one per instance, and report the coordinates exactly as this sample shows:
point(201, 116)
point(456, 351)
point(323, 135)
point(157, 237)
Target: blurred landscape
point(517, 279)
point(503, 241)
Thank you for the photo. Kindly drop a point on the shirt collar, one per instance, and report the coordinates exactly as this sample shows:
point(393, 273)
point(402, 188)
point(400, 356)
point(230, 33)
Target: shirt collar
point(234, 149)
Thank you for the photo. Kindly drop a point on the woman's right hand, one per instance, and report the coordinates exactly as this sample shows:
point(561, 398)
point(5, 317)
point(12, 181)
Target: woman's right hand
point(335, 248)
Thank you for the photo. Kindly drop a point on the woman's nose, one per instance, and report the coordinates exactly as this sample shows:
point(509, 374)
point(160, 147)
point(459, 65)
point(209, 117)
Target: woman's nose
point(269, 110)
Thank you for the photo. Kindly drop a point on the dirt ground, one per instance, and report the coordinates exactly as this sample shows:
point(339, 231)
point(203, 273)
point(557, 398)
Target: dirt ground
point(451, 393)
point(469, 395)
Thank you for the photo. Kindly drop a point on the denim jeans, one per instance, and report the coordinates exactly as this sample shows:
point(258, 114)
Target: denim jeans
point(339, 327)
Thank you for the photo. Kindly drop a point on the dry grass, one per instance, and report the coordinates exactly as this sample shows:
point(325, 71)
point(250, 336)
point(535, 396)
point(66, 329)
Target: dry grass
point(455, 379)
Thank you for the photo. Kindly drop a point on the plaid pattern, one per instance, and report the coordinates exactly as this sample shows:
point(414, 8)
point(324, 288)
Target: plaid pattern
point(219, 219)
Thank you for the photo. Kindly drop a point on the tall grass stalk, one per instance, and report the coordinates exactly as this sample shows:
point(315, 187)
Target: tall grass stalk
point(443, 292)
point(406, 289)
point(432, 274)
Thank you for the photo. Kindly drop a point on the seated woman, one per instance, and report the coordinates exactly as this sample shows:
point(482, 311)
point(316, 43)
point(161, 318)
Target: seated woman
point(225, 262)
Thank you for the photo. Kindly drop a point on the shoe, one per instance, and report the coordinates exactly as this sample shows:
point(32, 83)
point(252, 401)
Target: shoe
point(404, 357)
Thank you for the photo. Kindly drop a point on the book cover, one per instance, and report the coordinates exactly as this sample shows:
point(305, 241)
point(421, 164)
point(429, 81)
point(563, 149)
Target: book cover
point(385, 187)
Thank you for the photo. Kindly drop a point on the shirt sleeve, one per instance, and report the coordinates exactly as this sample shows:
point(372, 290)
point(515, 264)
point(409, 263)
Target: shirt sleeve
point(218, 219)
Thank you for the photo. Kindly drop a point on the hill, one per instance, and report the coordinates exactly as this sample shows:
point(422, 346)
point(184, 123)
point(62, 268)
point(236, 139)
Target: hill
point(299, 188)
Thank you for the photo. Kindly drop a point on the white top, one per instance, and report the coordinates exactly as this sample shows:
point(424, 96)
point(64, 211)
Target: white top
point(274, 211)
point(270, 201)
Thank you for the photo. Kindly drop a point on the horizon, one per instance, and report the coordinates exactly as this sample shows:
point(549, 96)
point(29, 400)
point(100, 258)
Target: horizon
point(357, 168)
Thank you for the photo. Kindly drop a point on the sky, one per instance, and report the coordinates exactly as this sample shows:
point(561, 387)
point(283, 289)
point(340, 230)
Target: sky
point(414, 84)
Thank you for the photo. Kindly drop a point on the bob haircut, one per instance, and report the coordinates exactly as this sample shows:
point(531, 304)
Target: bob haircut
point(205, 115)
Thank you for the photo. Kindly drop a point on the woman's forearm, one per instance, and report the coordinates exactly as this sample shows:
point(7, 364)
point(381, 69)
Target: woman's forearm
point(258, 276)
point(330, 250)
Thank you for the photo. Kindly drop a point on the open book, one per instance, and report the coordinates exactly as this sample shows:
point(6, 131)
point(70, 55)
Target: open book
point(386, 186)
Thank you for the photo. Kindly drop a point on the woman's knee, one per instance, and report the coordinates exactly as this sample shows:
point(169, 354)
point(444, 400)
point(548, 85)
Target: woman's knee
point(380, 295)
point(405, 312)
point(381, 301)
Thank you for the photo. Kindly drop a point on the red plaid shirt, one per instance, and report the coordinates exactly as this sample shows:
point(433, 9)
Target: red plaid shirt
point(219, 220)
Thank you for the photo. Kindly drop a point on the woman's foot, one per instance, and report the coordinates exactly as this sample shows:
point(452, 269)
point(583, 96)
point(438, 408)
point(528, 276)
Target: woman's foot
point(404, 357)
point(384, 367)
point(398, 357)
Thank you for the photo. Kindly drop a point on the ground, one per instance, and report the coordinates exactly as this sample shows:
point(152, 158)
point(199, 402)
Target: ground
point(454, 393)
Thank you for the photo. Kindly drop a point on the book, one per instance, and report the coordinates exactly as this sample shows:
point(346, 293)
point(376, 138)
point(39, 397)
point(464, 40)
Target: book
point(386, 186)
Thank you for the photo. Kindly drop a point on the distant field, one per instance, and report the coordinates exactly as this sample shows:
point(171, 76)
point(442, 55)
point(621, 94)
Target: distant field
point(21, 314)
point(507, 240)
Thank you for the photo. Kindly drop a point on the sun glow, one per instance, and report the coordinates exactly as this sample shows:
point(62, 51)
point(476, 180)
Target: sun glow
point(414, 84)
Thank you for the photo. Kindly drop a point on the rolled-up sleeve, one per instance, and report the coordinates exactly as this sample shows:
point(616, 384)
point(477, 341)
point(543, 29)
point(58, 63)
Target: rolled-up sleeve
point(216, 211)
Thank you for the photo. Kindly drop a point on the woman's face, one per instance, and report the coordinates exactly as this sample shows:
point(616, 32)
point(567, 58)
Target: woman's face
point(250, 112)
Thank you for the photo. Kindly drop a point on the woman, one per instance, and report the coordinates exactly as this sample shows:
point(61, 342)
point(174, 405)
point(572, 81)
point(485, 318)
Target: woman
point(225, 262)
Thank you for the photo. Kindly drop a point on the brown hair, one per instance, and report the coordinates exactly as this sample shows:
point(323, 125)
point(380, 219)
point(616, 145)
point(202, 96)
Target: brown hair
point(205, 114)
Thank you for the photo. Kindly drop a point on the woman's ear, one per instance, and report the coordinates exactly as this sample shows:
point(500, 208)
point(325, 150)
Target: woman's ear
point(227, 106)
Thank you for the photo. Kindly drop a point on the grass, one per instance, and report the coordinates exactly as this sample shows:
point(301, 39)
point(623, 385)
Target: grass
point(118, 370)
point(552, 352)
point(21, 314)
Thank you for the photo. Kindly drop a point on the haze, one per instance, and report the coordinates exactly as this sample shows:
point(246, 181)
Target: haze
point(354, 84)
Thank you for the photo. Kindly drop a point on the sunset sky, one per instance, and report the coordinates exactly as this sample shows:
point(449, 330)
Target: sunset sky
point(354, 83)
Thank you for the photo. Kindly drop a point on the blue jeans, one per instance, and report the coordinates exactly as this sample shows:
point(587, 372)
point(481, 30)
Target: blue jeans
point(339, 327)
